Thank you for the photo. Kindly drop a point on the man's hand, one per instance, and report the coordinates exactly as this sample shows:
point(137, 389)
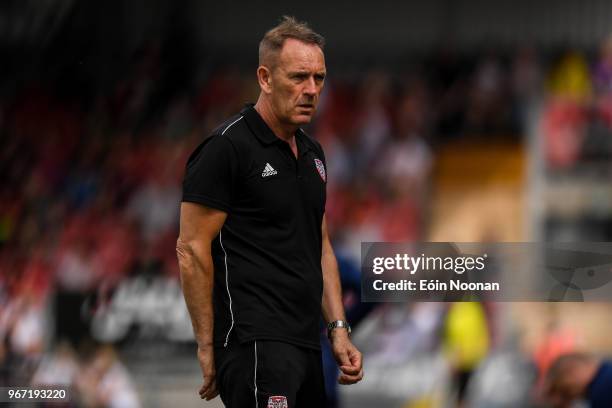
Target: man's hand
point(207, 364)
point(347, 356)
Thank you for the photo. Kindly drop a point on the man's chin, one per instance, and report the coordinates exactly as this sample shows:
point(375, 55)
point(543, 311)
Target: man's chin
point(302, 119)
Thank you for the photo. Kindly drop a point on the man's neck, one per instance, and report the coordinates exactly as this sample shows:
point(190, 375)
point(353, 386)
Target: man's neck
point(287, 133)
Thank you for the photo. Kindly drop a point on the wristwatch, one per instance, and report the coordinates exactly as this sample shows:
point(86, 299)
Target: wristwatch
point(338, 324)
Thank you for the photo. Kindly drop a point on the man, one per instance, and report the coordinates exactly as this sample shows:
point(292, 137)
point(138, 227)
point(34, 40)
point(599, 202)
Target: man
point(579, 376)
point(253, 212)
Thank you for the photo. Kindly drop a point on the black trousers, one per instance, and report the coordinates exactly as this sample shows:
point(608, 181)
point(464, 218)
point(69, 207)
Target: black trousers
point(269, 374)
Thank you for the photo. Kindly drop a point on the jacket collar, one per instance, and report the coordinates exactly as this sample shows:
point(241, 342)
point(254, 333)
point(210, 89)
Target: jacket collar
point(266, 136)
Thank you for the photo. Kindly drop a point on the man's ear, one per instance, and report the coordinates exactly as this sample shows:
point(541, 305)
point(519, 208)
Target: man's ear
point(264, 77)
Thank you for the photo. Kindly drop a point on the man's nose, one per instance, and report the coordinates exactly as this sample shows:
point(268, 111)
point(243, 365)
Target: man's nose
point(310, 88)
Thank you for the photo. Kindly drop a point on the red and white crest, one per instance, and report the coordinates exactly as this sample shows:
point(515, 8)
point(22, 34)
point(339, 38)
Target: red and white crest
point(321, 169)
point(277, 401)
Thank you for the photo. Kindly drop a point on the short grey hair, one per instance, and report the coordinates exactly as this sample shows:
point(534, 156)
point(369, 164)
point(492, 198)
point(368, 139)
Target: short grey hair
point(274, 39)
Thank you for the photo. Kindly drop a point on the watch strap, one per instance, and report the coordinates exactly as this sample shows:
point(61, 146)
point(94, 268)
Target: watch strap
point(336, 324)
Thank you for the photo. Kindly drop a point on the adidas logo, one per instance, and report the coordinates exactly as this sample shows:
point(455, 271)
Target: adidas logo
point(268, 171)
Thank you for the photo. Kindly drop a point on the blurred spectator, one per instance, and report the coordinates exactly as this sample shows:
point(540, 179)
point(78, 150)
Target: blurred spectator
point(602, 72)
point(403, 166)
point(466, 343)
point(487, 111)
point(104, 382)
point(77, 278)
point(60, 367)
point(564, 129)
point(526, 74)
point(602, 78)
point(372, 119)
point(76, 271)
point(556, 341)
point(571, 78)
point(406, 332)
point(27, 329)
point(579, 376)
point(526, 82)
point(155, 205)
point(22, 326)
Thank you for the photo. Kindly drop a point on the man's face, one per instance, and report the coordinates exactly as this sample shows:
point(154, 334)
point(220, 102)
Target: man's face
point(297, 81)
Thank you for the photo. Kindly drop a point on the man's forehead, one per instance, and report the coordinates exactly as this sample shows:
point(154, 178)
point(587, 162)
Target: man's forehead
point(296, 54)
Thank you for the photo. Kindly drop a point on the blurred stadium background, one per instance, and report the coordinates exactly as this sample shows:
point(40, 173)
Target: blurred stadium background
point(442, 121)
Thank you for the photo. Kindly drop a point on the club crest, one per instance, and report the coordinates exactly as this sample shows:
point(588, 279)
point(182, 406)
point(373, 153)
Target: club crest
point(277, 401)
point(321, 169)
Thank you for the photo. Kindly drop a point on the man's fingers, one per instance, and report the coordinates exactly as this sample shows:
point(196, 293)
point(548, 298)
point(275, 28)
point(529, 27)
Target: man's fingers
point(349, 369)
point(354, 365)
point(207, 365)
point(213, 394)
point(356, 358)
point(349, 379)
point(346, 379)
point(212, 391)
point(350, 363)
point(343, 358)
point(209, 382)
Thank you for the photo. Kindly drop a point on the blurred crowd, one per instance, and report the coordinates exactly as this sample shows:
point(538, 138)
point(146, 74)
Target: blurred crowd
point(91, 177)
point(577, 118)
